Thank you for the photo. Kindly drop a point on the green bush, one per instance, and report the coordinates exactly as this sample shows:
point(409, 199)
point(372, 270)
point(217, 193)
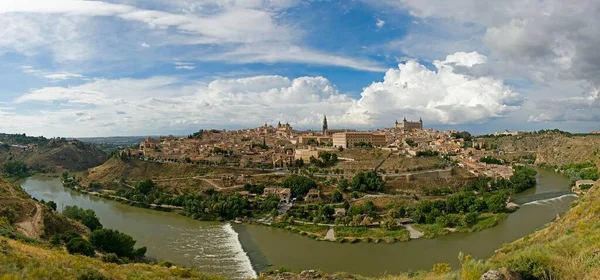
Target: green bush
point(15, 169)
point(81, 247)
point(91, 275)
point(86, 216)
point(113, 241)
point(532, 265)
point(111, 258)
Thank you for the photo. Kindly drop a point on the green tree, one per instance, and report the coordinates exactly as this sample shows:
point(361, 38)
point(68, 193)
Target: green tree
point(113, 241)
point(15, 169)
point(300, 185)
point(367, 181)
point(86, 216)
point(497, 203)
point(51, 204)
point(337, 197)
point(80, 246)
point(145, 186)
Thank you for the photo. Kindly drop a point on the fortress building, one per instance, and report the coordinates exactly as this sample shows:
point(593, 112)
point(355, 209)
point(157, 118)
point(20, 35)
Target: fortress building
point(409, 125)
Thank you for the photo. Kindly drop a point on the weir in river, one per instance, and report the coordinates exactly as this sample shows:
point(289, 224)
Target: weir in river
point(540, 196)
point(242, 250)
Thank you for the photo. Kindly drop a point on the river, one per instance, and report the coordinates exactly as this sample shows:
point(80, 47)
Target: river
point(239, 250)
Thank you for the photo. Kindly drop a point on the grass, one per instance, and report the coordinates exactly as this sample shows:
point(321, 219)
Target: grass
point(565, 249)
point(485, 221)
point(372, 234)
point(23, 261)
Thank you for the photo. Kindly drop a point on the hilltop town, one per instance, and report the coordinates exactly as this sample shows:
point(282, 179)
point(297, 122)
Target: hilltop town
point(282, 147)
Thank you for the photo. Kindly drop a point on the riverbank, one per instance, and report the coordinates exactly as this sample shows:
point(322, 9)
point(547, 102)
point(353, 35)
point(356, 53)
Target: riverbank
point(203, 245)
point(364, 231)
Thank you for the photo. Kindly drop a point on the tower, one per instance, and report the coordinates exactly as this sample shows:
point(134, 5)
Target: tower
point(421, 121)
point(325, 127)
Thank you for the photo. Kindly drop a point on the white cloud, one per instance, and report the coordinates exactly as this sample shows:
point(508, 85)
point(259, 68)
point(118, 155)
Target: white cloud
point(52, 76)
point(550, 42)
point(444, 96)
point(292, 53)
point(380, 23)
point(69, 28)
point(130, 105)
point(184, 66)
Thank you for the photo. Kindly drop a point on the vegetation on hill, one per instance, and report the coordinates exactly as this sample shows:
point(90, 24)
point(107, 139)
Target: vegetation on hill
point(42, 154)
point(549, 147)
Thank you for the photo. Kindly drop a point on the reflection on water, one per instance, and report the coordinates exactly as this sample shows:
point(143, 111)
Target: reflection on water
point(210, 247)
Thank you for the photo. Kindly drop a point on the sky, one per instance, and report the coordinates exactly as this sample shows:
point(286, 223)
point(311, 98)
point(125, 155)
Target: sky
point(77, 68)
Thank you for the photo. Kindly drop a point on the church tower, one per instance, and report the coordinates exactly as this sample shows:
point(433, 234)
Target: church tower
point(325, 127)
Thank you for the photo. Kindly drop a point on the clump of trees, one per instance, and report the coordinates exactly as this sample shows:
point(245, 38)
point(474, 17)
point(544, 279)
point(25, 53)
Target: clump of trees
point(255, 189)
point(428, 153)
point(523, 179)
point(581, 171)
point(325, 159)
point(363, 145)
point(300, 185)
point(74, 242)
point(410, 142)
point(365, 181)
point(86, 216)
point(490, 160)
point(465, 135)
point(113, 241)
point(16, 169)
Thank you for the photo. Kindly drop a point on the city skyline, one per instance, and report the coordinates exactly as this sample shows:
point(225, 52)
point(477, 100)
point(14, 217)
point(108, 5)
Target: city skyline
point(121, 68)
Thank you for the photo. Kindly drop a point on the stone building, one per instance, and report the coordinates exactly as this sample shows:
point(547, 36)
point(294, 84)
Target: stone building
point(410, 125)
point(306, 154)
point(350, 139)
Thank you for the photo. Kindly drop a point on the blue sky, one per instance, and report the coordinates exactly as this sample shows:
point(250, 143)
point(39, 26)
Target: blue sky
point(132, 67)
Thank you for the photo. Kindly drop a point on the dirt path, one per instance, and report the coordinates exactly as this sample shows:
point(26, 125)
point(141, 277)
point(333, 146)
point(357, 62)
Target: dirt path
point(32, 226)
point(330, 234)
point(414, 234)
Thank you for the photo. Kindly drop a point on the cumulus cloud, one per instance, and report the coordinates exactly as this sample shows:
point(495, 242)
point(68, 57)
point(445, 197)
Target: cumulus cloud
point(380, 23)
point(442, 96)
point(546, 43)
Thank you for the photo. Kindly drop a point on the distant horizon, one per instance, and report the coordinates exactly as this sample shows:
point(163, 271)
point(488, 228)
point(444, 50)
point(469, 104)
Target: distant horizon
point(312, 130)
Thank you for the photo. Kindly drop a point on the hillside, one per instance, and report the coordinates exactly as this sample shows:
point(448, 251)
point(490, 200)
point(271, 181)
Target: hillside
point(49, 155)
point(174, 177)
point(25, 253)
point(24, 261)
point(550, 147)
point(566, 249)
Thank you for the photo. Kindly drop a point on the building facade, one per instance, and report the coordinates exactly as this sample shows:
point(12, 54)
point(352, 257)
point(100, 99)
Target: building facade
point(350, 139)
point(409, 125)
point(306, 154)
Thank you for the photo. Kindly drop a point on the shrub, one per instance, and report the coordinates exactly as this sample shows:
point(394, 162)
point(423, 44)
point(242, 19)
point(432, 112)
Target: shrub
point(80, 246)
point(15, 169)
point(111, 258)
point(85, 216)
point(532, 265)
point(441, 268)
point(91, 275)
point(113, 241)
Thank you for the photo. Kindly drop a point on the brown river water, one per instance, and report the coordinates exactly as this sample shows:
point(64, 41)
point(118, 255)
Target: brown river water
point(241, 251)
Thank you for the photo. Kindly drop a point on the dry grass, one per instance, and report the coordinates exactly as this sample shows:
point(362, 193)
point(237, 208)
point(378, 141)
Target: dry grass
point(21, 261)
point(565, 249)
